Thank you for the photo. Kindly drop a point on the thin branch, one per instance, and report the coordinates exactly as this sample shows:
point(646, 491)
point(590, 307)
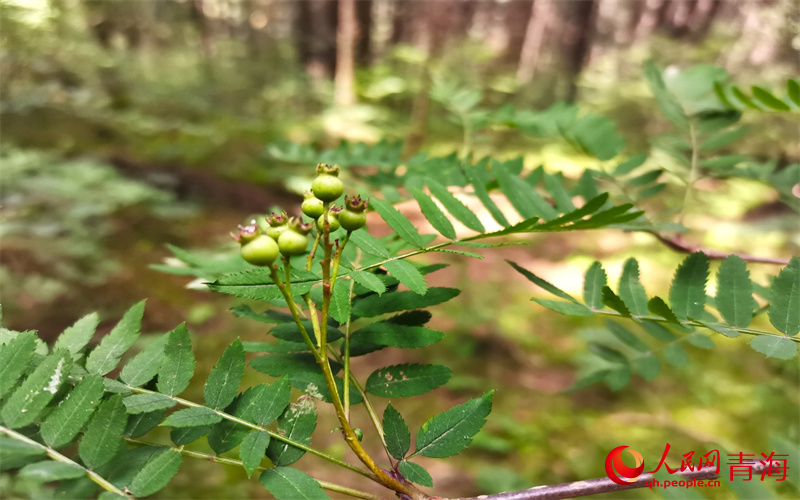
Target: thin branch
point(273, 434)
point(679, 245)
point(230, 461)
point(58, 457)
point(605, 485)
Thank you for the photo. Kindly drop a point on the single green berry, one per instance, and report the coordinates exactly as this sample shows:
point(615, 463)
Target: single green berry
point(327, 186)
point(333, 220)
point(294, 240)
point(354, 215)
point(261, 251)
point(359, 433)
point(312, 206)
point(277, 224)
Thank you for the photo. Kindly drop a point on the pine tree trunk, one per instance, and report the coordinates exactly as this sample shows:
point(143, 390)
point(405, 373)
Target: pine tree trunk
point(541, 12)
point(345, 53)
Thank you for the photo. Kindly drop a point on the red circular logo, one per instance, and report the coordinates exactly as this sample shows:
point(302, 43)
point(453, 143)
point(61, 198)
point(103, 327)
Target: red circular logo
point(619, 472)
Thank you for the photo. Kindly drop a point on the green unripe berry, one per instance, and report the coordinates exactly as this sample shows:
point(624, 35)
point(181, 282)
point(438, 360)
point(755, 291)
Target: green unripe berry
point(327, 186)
point(354, 215)
point(261, 251)
point(359, 433)
point(333, 221)
point(312, 206)
point(276, 225)
point(294, 240)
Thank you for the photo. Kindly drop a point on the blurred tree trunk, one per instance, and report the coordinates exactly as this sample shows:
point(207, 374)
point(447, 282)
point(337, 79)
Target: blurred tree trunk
point(315, 36)
point(345, 53)
point(576, 25)
point(540, 15)
point(703, 17)
point(649, 18)
point(513, 25)
point(364, 43)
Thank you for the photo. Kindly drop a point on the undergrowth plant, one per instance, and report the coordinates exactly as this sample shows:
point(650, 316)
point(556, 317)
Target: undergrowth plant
point(331, 291)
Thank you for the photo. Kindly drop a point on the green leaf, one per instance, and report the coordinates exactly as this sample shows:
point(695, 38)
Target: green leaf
point(675, 355)
point(159, 469)
point(554, 184)
point(793, 91)
point(415, 473)
point(593, 285)
point(567, 308)
point(226, 436)
point(192, 417)
point(666, 100)
point(687, 295)
point(104, 433)
point(647, 365)
point(721, 329)
point(313, 384)
point(388, 334)
point(10, 447)
point(297, 424)
point(455, 207)
point(185, 435)
point(253, 449)
point(78, 335)
point(449, 432)
point(479, 179)
point(263, 403)
point(280, 364)
point(178, 363)
point(400, 381)
point(523, 197)
point(14, 359)
point(29, 399)
point(285, 483)
point(369, 281)
point(629, 165)
point(66, 421)
point(657, 306)
point(105, 356)
point(145, 403)
point(408, 275)
point(144, 366)
point(700, 340)
point(50, 470)
point(257, 284)
point(340, 301)
point(290, 332)
point(369, 244)
point(435, 216)
point(658, 330)
point(142, 423)
point(618, 377)
point(784, 312)
point(397, 222)
point(631, 290)
point(613, 301)
point(737, 92)
point(608, 354)
point(396, 433)
point(724, 139)
point(768, 99)
point(375, 305)
point(734, 298)
point(223, 382)
point(543, 283)
point(626, 337)
point(774, 346)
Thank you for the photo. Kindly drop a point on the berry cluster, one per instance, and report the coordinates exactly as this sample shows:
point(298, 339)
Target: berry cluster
point(262, 240)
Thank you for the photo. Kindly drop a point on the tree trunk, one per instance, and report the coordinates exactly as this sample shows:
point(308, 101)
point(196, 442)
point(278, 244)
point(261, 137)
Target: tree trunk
point(364, 43)
point(315, 36)
point(541, 12)
point(577, 28)
point(345, 53)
